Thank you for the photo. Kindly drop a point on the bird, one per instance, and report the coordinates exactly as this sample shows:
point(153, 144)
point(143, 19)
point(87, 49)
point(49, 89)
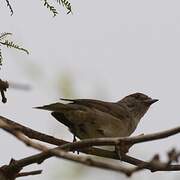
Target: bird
point(90, 118)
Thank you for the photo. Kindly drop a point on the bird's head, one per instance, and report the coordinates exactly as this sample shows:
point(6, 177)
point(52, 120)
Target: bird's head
point(138, 104)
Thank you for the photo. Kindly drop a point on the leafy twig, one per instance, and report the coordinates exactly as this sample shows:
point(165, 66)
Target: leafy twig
point(50, 7)
point(67, 4)
point(64, 3)
point(10, 44)
point(10, 7)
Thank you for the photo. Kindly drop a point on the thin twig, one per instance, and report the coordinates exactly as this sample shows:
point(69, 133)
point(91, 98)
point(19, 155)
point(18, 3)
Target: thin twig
point(32, 133)
point(3, 87)
point(65, 155)
point(31, 173)
point(91, 142)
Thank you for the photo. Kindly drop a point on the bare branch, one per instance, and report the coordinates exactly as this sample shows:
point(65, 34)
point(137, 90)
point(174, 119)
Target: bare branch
point(86, 146)
point(32, 133)
point(58, 152)
point(31, 173)
point(154, 136)
point(3, 87)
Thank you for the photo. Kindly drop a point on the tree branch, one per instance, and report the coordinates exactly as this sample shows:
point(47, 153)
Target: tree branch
point(29, 173)
point(25, 135)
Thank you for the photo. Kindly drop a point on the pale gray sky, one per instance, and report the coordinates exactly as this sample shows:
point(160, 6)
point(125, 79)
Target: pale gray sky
point(110, 49)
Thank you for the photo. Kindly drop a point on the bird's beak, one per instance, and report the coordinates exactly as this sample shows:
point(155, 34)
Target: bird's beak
point(151, 101)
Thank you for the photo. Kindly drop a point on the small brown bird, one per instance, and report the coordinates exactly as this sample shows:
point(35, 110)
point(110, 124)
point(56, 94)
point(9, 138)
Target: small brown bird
point(88, 118)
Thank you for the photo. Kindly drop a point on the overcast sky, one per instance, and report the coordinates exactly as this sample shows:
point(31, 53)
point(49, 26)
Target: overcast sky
point(109, 49)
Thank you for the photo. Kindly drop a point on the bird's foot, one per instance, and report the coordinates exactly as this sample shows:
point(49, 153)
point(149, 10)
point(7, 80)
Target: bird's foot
point(75, 140)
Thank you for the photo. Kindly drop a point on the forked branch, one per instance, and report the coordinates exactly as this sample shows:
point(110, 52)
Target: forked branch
point(26, 135)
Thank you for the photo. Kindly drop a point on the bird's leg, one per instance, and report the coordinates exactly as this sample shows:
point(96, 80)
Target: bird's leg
point(118, 152)
point(74, 138)
point(121, 148)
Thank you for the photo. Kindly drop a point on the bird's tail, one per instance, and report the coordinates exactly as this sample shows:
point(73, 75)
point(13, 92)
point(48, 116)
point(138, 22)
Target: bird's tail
point(57, 107)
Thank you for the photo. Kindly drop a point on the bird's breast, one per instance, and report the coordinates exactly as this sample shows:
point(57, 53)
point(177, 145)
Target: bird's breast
point(93, 123)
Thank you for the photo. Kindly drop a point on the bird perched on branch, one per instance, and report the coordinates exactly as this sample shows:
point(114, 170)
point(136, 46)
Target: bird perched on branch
point(88, 118)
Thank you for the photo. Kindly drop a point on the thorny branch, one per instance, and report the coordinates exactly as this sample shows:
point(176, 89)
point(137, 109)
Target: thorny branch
point(26, 135)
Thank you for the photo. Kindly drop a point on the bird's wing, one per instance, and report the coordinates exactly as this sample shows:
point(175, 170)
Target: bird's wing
point(108, 107)
point(91, 103)
point(60, 111)
point(77, 105)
